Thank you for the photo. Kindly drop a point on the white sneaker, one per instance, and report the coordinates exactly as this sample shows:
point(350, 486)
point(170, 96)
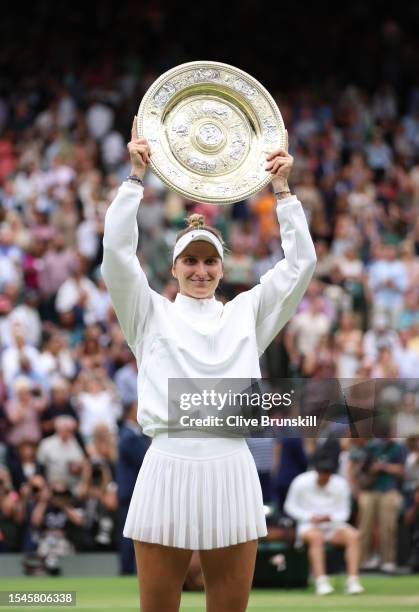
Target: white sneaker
point(371, 563)
point(353, 586)
point(323, 586)
point(388, 568)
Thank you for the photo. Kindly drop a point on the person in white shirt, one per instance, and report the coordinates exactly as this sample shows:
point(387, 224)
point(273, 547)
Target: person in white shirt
point(99, 119)
point(27, 314)
point(60, 454)
point(97, 404)
point(12, 355)
point(380, 334)
point(319, 501)
point(305, 332)
point(77, 290)
point(197, 494)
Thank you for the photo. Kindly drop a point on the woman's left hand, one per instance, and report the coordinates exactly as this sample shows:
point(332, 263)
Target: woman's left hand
point(280, 163)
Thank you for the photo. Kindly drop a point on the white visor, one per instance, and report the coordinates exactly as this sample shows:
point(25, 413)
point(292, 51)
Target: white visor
point(193, 236)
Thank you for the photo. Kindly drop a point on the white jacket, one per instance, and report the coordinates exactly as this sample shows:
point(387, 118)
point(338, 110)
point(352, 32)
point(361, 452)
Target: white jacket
point(306, 498)
point(198, 338)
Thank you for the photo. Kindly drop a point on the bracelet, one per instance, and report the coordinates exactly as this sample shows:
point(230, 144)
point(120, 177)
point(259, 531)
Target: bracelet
point(135, 178)
point(282, 194)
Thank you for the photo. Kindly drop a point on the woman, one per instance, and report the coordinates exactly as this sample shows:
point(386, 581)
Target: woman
point(348, 345)
point(197, 494)
point(97, 402)
point(24, 411)
point(411, 263)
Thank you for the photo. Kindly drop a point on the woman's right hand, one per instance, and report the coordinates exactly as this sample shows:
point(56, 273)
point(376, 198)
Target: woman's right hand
point(139, 152)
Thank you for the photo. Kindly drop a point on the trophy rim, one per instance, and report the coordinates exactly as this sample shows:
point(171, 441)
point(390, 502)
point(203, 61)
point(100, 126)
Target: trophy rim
point(236, 72)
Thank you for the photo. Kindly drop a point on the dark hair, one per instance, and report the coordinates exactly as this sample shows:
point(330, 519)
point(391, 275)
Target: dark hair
point(323, 462)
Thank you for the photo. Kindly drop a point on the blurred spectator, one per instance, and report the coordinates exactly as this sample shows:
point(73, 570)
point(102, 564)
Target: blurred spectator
point(346, 235)
point(91, 354)
point(388, 282)
point(99, 494)
point(60, 455)
point(113, 150)
point(96, 403)
point(57, 518)
point(305, 332)
point(26, 315)
point(348, 344)
point(58, 262)
point(380, 502)
point(56, 359)
point(319, 501)
point(264, 260)
point(13, 356)
point(79, 292)
point(357, 466)
point(103, 446)
point(306, 125)
point(379, 153)
point(99, 119)
point(264, 206)
point(102, 305)
point(132, 447)
point(337, 296)
point(65, 217)
point(311, 197)
point(8, 248)
point(262, 452)
point(59, 405)
point(411, 263)
point(24, 412)
point(409, 314)
point(407, 419)
point(406, 358)
point(126, 380)
point(316, 289)
point(22, 462)
point(152, 211)
point(11, 514)
point(238, 269)
point(385, 365)
point(325, 260)
point(321, 363)
point(289, 460)
point(411, 518)
point(381, 335)
point(412, 458)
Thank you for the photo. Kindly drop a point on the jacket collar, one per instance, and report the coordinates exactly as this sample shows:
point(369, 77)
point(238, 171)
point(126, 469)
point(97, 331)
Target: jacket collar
point(197, 305)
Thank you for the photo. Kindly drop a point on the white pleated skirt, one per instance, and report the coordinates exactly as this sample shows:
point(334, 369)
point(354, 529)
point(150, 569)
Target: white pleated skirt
point(197, 494)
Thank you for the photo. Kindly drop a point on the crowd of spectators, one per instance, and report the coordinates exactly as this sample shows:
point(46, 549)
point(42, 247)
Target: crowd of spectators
point(67, 377)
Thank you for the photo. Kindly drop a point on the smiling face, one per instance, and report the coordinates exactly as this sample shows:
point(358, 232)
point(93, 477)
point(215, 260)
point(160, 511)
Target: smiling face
point(198, 269)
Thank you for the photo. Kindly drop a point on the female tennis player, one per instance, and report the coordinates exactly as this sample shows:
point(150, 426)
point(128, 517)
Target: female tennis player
point(197, 494)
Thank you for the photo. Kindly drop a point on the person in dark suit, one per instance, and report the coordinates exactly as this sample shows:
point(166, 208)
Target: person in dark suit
point(133, 445)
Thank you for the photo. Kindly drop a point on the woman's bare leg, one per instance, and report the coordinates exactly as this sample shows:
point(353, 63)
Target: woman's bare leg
point(161, 573)
point(316, 553)
point(228, 574)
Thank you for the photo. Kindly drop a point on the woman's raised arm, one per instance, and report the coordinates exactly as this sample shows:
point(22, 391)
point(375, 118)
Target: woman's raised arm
point(126, 282)
point(281, 288)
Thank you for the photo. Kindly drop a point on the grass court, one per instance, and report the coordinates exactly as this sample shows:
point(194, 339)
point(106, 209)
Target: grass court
point(386, 594)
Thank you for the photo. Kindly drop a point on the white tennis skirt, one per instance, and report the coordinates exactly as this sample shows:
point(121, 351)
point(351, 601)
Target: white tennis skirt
point(197, 494)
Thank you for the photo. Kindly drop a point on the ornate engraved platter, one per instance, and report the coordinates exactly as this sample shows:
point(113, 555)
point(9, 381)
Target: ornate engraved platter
point(210, 127)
